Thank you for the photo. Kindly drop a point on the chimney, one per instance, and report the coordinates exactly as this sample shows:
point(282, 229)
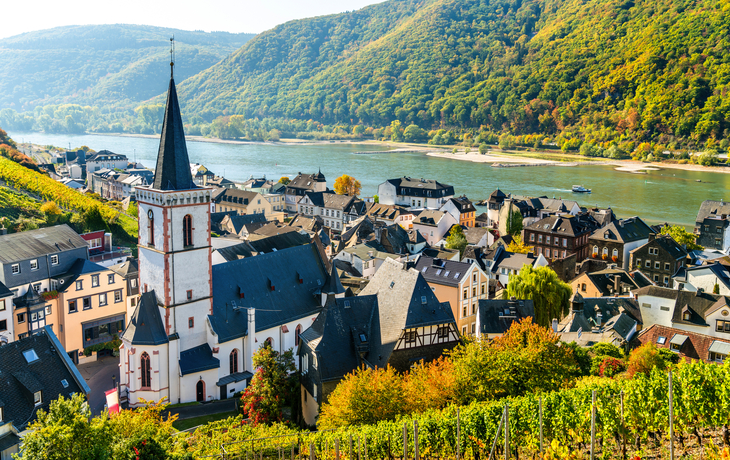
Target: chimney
point(555, 325)
point(651, 237)
point(250, 339)
point(616, 283)
point(3, 231)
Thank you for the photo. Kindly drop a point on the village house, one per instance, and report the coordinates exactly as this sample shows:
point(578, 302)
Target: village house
point(36, 371)
point(396, 321)
point(365, 258)
point(533, 209)
point(499, 263)
point(201, 174)
point(615, 241)
point(7, 329)
point(605, 283)
point(659, 259)
point(707, 278)
point(336, 210)
point(690, 346)
point(105, 159)
point(434, 225)
point(462, 209)
point(244, 203)
point(390, 214)
point(299, 186)
point(496, 316)
point(712, 226)
point(460, 284)
point(700, 312)
point(478, 236)
point(556, 237)
point(414, 193)
point(258, 185)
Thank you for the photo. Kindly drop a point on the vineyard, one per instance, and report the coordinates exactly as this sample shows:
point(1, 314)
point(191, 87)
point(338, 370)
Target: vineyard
point(16, 204)
point(48, 189)
point(630, 417)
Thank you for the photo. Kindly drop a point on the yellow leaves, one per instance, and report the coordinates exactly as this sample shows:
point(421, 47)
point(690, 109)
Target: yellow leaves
point(346, 185)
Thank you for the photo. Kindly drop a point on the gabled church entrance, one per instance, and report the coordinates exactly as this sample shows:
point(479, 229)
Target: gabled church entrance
point(200, 391)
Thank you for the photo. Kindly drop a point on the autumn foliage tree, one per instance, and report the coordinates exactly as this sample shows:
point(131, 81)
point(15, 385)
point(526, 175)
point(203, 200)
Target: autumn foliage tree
point(347, 185)
point(518, 246)
point(272, 386)
point(527, 358)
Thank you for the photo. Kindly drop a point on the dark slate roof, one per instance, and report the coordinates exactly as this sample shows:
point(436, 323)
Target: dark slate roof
point(699, 304)
point(440, 271)
point(666, 243)
point(198, 359)
point(4, 291)
point(289, 299)
point(80, 267)
point(497, 196)
point(717, 269)
point(19, 379)
point(35, 243)
point(623, 231)
point(400, 306)
point(336, 334)
point(264, 245)
point(29, 299)
point(712, 208)
point(333, 284)
point(561, 225)
point(236, 196)
point(496, 315)
point(306, 181)
point(173, 166)
point(331, 200)
point(641, 279)
point(238, 222)
point(463, 204)
point(145, 326)
point(421, 187)
point(233, 378)
point(385, 211)
point(603, 280)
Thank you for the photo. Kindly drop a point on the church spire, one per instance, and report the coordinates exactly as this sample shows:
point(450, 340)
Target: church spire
point(173, 166)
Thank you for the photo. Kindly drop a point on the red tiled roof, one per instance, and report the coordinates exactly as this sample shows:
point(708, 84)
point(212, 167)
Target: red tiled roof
point(697, 346)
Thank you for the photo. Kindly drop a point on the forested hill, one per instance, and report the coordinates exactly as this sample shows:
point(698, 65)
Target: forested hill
point(102, 65)
point(641, 69)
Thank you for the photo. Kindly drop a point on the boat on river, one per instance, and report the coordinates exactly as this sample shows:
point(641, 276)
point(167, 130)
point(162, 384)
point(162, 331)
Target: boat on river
point(580, 189)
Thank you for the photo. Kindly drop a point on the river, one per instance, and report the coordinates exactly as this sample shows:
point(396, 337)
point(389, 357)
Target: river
point(668, 195)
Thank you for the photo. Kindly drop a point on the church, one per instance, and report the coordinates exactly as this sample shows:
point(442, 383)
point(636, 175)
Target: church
point(196, 326)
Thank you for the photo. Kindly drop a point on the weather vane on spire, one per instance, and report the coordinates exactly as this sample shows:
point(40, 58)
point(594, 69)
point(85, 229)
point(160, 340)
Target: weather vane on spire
point(172, 55)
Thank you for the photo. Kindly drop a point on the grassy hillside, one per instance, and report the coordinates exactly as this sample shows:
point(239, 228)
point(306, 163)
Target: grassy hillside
point(606, 69)
point(102, 65)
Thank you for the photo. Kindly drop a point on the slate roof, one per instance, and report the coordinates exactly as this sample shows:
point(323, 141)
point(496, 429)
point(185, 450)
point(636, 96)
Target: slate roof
point(305, 181)
point(19, 379)
point(263, 245)
point(145, 326)
point(474, 234)
point(238, 222)
point(36, 243)
point(333, 284)
point(623, 231)
point(29, 299)
point(718, 270)
point(385, 211)
point(128, 268)
point(496, 315)
point(440, 271)
point(429, 217)
point(198, 359)
point(463, 204)
point(310, 224)
point(619, 316)
point(666, 243)
point(421, 187)
point(4, 291)
point(173, 166)
point(236, 196)
point(712, 208)
point(80, 267)
point(560, 225)
point(271, 229)
point(603, 280)
point(699, 304)
point(400, 306)
point(281, 286)
point(331, 200)
point(336, 334)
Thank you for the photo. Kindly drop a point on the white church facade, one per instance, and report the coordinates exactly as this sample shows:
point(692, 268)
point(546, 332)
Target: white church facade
point(196, 326)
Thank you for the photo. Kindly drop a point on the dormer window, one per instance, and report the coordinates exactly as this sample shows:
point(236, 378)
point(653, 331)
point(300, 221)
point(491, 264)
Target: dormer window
point(686, 315)
point(424, 301)
point(30, 355)
point(37, 398)
point(347, 304)
point(240, 292)
point(272, 286)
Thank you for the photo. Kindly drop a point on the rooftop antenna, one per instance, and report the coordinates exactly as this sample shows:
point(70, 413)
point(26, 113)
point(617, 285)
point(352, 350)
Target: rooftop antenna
point(172, 55)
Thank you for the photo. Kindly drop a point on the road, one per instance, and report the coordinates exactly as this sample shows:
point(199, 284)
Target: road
point(98, 376)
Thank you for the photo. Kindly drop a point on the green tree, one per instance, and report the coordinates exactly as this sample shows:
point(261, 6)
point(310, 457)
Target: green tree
point(414, 133)
point(514, 223)
point(271, 387)
point(549, 294)
point(483, 148)
point(682, 236)
point(456, 239)
point(376, 199)
point(527, 358)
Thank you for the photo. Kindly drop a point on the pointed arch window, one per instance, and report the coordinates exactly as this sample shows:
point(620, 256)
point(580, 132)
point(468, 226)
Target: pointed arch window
point(188, 230)
point(146, 370)
point(151, 227)
point(296, 334)
point(233, 361)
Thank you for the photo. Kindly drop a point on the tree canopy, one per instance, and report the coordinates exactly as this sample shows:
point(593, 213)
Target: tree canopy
point(272, 386)
point(456, 239)
point(682, 236)
point(347, 185)
point(514, 223)
point(549, 294)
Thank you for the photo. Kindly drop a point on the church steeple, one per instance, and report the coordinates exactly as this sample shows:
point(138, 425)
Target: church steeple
point(173, 166)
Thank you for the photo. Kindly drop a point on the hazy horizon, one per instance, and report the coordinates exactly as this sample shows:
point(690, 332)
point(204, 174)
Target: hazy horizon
point(217, 15)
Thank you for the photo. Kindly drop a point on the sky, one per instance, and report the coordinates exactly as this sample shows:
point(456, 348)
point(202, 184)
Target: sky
point(251, 16)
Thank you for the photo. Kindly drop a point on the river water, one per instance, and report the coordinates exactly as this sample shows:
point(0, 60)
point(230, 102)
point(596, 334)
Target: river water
point(668, 195)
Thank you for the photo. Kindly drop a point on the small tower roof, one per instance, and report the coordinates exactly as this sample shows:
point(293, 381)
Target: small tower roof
point(333, 284)
point(146, 327)
point(173, 166)
point(319, 177)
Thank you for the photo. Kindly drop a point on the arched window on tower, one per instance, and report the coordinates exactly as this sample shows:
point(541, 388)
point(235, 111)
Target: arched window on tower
point(187, 230)
point(151, 227)
point(233, 361)
point(146, 370)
